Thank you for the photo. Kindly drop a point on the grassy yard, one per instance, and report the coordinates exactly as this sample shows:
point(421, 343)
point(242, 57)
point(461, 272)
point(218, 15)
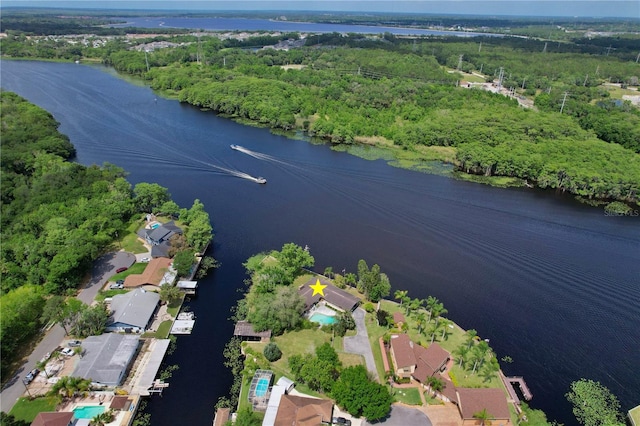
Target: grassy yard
point(108, 293)
point(409, 396)
point(136, 268)
point(27, 410)
point(174, 307)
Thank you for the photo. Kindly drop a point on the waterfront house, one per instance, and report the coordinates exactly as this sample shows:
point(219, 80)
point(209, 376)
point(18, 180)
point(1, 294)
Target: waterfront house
point(474, 400)
point(158, 238)
point(300, 411)
point(157, 273)
point(53, 418)
point(415, 361)
point(132, 312)
point(338, 299)
point(107, 358)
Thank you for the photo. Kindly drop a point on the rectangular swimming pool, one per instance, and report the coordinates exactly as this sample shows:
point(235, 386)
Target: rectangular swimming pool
point(322, 319)
point(88, 411)
point(262, 387)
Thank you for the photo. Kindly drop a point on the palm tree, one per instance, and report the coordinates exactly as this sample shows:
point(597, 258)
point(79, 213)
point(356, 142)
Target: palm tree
point(431, 302)
point(461, 353)
point(484, 417)
point(421, 321)
point(102, 418)
point(479, 353)
point(471, 335)
point(400, 295)
point(70, 386)
point(445, 327)
point(490, 369)
point(436, 384)
point(434, 329)
point(438, 310)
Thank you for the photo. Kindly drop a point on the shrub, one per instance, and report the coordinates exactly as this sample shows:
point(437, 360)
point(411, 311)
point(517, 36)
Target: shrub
point(369, 307)
point(272, 352)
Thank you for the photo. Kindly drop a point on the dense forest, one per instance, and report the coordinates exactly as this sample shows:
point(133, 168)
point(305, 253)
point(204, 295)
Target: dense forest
point(58, 216)
point(406, 94)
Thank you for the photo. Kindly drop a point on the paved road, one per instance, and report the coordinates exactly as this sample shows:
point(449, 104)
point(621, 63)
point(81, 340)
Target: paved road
point(103, 268)
point(403, 416)
point(359, 344)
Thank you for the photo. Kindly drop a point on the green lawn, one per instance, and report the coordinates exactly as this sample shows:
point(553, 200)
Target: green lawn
point(410, 396)
point(27, 410)
point(163, 329)
point(174, 307)
point(108, 293)
point(136, 268)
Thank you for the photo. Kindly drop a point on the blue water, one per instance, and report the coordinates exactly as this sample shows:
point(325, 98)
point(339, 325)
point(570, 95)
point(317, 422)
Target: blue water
point(88, 411)
point(322, 319)
point(262, 387)
point(155, 225)
point(232, 24)
point(552, 283)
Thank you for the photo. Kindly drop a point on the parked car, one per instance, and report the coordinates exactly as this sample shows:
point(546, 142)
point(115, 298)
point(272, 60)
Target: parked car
point(116, 286)
point(30, 376)
point(124, 268)
point(341, 421)
point(145, 260)
point(67, 352)
point(73, 343)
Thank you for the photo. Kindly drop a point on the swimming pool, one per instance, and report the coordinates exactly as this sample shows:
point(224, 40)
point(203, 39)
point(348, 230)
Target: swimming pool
point(155, 225)
point(262, 387)
point(88, 411)
point(322, 319)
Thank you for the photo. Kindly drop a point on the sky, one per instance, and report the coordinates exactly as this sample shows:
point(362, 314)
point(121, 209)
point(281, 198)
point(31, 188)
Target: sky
point(578, 8)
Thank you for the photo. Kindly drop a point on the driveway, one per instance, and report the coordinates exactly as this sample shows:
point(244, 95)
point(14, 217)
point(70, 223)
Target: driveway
point(103, 268)
point(403, 416)
point(359, 344)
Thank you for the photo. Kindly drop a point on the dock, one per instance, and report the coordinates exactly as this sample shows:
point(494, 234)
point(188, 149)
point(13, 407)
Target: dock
point(519, 381)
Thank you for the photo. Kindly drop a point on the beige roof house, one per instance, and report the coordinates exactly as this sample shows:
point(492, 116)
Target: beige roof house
point(413, 360)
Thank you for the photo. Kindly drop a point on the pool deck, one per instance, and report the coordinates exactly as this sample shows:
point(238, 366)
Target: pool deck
point(321, 308)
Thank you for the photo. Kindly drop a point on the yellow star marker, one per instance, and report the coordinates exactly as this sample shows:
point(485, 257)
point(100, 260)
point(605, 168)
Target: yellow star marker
point(317, 288)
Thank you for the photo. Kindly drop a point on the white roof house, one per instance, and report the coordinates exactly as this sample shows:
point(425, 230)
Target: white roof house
point(106, 358)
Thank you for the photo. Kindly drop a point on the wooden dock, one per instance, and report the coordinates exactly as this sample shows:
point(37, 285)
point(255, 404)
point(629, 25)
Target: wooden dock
point(523, 386)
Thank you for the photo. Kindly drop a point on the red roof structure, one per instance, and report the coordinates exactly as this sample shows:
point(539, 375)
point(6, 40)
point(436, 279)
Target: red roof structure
point(63, 418)
point(473, 400)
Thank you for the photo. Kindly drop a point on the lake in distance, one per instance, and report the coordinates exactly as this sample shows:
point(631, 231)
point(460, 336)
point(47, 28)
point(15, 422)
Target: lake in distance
point(552, 283)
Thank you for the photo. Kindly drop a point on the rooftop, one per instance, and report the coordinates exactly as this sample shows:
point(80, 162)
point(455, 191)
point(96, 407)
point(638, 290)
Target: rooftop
point(53, 419)
point(134, 308)
point(297, 410)
point(245, 329)
point(472, 401)
point(106, 357)
point(153, 274)
point(332, 295)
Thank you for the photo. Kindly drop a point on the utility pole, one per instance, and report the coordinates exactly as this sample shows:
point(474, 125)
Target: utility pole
point(523, 80)
point(480, 47)
point(460, 62)
point(564, 99)
point(598, 68)
point(224, 62)
point(585, 80)
point(608, 50)
point(500, 77)
point(545, 47)
point(146, 60)
point(637, 57)
point(481, 65)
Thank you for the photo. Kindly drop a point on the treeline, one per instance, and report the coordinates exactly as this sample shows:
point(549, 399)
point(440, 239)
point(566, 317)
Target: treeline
point(57, 217)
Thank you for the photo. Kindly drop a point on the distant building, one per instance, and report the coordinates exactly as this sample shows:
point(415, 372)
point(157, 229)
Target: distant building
point(107, 358)
point(132, 312)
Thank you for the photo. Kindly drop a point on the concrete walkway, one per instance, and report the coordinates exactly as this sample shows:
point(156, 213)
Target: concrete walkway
point(359, 344)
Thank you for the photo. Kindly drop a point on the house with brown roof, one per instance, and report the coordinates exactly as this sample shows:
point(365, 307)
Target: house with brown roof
point(301, 411)
point(157, 273)
point(335, 297)
point(398, 319)
point(53, 418)
point(245, 331)
point(473, 401)
point(413, 360)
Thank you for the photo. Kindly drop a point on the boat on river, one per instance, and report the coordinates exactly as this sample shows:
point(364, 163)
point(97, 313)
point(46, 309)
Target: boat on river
point(236, 147)
point(260, 179)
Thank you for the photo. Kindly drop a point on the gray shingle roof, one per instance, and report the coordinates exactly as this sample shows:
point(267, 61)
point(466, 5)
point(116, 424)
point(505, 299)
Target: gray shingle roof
point(134, 308)
point(106, 358)
point(332, 294)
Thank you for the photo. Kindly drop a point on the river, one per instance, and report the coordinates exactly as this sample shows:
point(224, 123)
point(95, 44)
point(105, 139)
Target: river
point(552, 283)
point(248, 24)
